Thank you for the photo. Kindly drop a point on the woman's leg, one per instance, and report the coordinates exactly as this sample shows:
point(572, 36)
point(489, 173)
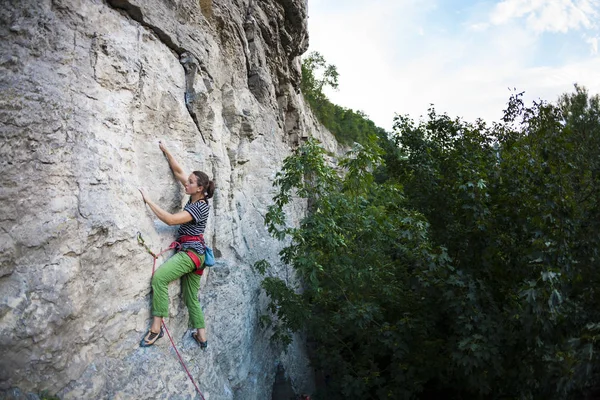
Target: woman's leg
point(190, 284)
point(175, 267)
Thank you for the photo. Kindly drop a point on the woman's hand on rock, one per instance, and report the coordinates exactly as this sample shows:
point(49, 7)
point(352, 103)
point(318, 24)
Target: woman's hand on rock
point(162, 146)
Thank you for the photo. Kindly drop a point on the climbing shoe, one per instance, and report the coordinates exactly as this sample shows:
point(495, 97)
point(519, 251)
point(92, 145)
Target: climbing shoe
point(203, 345)
point(151, 338)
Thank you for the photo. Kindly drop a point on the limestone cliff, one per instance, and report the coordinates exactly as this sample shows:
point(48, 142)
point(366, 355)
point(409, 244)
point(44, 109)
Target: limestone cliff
point(87, 88)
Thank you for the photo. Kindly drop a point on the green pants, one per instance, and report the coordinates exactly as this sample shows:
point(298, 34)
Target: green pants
point(178, 266)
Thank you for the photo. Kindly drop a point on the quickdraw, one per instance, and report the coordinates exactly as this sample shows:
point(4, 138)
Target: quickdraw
point(140, 240)
point(172, 246)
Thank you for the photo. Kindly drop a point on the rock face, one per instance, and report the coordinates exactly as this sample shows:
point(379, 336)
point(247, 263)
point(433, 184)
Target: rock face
point(87, 88)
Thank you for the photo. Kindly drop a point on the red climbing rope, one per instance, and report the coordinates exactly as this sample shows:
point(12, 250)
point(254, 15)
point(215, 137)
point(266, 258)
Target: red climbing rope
point(172, 246)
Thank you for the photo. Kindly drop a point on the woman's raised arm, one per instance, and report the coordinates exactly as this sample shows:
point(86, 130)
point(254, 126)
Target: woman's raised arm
point(175, 167)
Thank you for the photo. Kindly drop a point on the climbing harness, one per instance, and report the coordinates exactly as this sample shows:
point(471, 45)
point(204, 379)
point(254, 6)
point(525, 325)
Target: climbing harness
point(177, 246)
point(174, 245)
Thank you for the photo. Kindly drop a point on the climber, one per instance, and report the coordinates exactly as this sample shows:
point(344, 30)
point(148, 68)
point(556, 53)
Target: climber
point(185, 263)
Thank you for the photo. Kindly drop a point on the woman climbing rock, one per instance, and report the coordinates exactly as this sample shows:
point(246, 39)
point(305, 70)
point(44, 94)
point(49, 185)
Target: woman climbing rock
point(187, 263)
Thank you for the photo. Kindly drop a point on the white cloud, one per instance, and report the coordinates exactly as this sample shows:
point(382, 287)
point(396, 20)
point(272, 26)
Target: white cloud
point(548, 15)
point(593, 42)
point(479, 27)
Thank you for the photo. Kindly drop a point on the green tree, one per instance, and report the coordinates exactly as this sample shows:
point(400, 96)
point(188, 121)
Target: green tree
point(316, 76)
point(356, 252)
point(515, 205)
point(466, 267)
point(347, 126)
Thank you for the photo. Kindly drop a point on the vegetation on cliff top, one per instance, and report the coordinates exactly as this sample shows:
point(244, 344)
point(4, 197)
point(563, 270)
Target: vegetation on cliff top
point(347, 126)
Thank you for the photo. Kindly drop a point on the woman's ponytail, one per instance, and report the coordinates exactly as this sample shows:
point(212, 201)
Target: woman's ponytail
point(210, 189)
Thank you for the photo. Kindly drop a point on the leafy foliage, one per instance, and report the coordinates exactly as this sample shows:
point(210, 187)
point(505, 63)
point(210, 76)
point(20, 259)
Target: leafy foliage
point(348, 126)
point(355, 251)
point(516, 207)
point(316, 75)
point(465, 267)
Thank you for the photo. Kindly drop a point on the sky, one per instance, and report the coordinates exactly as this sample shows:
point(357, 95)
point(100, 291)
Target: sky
point(466, 57)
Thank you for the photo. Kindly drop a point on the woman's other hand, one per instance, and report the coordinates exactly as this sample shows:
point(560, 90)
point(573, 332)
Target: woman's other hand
point(144, 195)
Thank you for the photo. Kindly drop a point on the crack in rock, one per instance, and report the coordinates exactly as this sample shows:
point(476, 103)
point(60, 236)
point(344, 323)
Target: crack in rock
point(190, 66)
point(186, 58)
point(136, 14)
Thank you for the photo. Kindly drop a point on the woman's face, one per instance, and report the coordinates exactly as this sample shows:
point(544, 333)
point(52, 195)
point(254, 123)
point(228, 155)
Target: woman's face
point(191, 186)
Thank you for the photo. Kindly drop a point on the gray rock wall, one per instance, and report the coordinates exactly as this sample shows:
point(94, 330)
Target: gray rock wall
point(87, 88)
